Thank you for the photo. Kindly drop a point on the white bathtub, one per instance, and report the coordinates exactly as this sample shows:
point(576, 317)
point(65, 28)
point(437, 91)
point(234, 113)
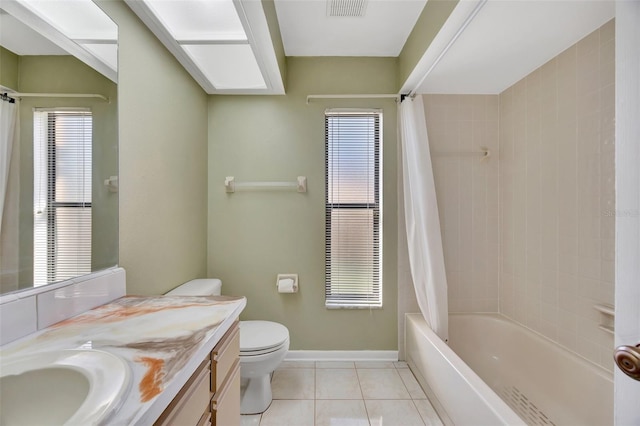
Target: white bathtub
point(535, 378)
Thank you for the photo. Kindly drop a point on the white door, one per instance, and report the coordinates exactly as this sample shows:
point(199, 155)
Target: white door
point(627, 322)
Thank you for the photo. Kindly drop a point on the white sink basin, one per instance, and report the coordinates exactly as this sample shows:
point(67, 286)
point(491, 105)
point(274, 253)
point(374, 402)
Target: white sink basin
point(70, 387)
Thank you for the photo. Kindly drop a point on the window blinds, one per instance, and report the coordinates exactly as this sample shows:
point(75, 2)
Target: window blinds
point(62, 194)
point(352, 213)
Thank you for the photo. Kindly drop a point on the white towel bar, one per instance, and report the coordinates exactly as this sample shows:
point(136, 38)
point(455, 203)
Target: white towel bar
point(231, 185)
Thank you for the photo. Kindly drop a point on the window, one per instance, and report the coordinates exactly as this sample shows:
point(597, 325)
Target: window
point(62, 194)
point(352, 213)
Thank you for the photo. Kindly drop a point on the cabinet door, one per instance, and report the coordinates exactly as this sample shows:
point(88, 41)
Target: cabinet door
point(191, 402)
point(205, 420)
point(225, 406)
point(224, 355)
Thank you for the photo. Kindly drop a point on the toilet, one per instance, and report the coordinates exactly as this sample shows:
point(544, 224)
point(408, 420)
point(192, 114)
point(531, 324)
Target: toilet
point(263, 346)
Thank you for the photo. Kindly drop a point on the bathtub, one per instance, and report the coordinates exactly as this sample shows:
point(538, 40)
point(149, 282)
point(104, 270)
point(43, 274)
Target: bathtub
point(510, 375)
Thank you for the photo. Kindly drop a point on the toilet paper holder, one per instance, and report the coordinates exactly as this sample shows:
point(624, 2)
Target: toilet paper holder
point(287, 283)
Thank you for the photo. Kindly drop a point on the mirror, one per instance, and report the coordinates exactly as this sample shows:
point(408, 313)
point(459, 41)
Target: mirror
point(59, 202)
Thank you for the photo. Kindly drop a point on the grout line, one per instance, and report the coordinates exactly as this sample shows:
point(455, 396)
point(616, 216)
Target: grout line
point(419, 415)
point(359, 385)
point(315, 383)
point(364, 402)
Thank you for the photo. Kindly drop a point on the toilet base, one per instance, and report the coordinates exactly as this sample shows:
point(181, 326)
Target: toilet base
point(255, 394)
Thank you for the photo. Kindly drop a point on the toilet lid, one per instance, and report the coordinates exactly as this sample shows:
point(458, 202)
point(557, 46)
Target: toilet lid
point(260, 335)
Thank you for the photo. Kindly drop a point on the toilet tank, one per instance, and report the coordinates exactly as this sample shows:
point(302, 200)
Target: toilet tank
point(198, 287)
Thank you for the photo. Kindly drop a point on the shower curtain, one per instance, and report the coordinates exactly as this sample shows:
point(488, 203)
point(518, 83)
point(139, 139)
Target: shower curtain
point(8, 127)
point(9, 195)
point(424, 241)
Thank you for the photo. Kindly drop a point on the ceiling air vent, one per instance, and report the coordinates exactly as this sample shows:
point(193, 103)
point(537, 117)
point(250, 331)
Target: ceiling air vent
point(351, 8)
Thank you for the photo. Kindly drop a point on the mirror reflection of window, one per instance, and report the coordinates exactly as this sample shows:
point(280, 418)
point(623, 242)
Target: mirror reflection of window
point(62, 194)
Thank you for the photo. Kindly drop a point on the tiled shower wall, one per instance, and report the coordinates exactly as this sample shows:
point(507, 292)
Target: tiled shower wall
point(467, 189)
point(558, 196)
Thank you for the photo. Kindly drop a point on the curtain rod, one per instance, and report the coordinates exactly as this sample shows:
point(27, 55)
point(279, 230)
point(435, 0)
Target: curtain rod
point(60, 95)
point(7, 98)
point(352, 96)
point(407, 95)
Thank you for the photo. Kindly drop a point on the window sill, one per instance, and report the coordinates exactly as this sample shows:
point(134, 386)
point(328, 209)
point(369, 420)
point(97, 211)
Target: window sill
point(331, 308)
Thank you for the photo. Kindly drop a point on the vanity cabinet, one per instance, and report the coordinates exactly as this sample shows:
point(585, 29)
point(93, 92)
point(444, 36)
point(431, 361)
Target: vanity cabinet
point(211, 396)
point(225, 379)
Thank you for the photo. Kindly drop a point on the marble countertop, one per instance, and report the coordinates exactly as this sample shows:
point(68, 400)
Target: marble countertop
point(162, 338)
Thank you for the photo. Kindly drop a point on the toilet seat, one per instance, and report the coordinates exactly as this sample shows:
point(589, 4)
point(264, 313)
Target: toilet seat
point(261, 337)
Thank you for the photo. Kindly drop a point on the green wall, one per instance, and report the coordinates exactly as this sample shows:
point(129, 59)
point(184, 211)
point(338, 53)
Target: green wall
point(66, 74)
point(8, 68)
point(163, 161)
point(253, 236)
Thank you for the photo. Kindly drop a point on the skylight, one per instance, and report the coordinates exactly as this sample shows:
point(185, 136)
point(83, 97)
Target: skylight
point(79, 27)
point(216, 41)
point(228, 66)
point(186, 20)
point(76, 19)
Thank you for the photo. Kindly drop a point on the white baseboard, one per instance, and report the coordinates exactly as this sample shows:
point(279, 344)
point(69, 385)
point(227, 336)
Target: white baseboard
point(301, 355)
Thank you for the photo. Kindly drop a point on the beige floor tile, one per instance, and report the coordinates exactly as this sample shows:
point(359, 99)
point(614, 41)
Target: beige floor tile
point(293, 383)
point(333, 383)
point(297, 364)
point(250, 420)
point(412, 384)
point(428, 413)
point(346, 394)
point(289, 413)
point(393, 413)
point(341, 413)
point(335, 364)
point(374, 364)
point(382, 384)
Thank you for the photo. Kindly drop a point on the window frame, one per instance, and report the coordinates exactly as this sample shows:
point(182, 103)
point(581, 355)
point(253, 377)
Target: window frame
point(356, 300)
point(48, 153)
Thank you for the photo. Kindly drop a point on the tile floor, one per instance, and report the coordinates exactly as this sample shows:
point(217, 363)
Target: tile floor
point(368, 393)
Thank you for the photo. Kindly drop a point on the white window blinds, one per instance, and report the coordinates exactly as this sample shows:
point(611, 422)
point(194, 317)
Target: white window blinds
point(352, 213)
point(62, 194)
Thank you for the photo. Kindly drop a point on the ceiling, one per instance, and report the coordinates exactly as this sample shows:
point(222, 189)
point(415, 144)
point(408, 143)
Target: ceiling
point(509, 39)
point(505, 40)
point(309, 29)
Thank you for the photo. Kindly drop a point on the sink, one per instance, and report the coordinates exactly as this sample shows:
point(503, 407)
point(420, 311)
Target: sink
point(70, 387)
